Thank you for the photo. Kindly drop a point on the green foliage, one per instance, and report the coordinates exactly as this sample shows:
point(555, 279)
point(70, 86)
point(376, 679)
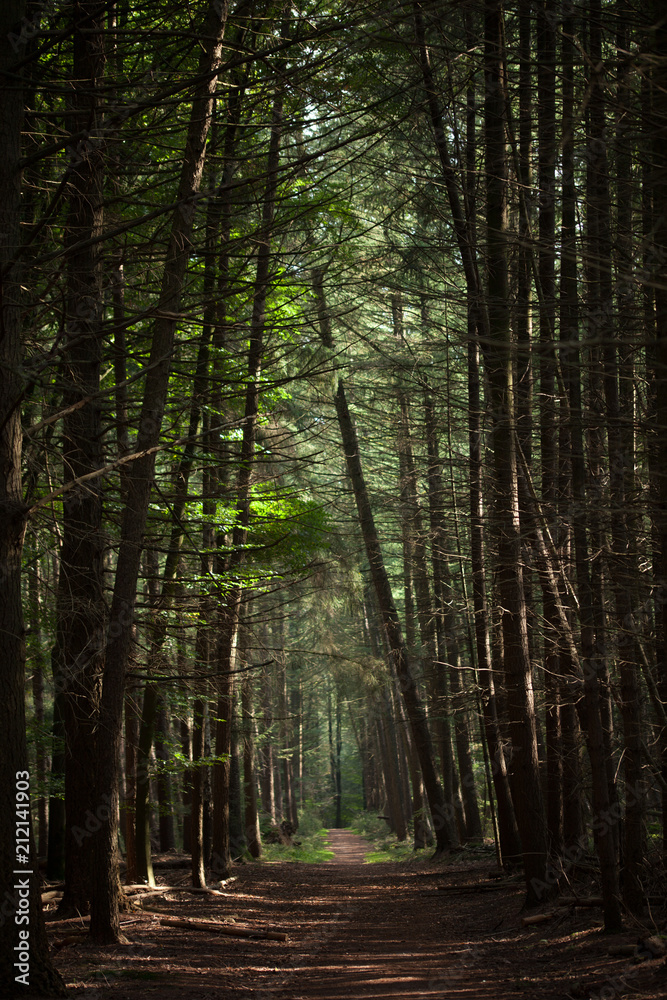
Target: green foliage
point(385, 846)
point(41, 741)
point(368, 825)
point(312, 849)
point(391, 849)
point(310, 819)
point(285, 531)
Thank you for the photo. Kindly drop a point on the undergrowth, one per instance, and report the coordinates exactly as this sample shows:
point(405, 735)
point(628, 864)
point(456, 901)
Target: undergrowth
point(391, 849)
point(385, 847)
point(311, 849)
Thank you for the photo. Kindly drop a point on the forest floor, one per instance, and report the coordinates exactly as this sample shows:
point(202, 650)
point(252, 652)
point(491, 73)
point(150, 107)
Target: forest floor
point(358, 931)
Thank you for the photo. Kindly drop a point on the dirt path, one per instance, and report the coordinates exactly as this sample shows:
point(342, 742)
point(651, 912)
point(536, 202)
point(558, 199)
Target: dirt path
point(370, 946)
point(359, 931)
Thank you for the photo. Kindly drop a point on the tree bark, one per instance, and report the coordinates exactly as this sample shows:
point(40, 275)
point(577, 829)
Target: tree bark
point(165, 784)
point(570, 359)
point(129, 816)
point(546, 122)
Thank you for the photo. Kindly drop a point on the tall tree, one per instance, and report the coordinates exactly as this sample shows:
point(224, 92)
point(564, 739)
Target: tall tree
point(524, 773)
point(25, 966)
point(105, 924)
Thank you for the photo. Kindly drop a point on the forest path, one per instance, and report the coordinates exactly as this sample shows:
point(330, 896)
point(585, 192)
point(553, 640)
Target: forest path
point(371, 945)
point(358, 931)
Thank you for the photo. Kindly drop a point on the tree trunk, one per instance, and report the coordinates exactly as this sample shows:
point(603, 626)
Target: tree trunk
point(81, 609)
point(237, 836)
point(198, 865)
point(221, 858)
point(546, 84)
point(129, 812)
point(397, 820)
point(568, 323)
point(164, 780)
point(186, 750)
point(249, 784)
point(232, 600)
point(142, 786)
point(569, 320)
point(440, 810)
point(105, 924)
point(526, 787)
point(658, 280)
point(268, 792)
point(20, 893)
point(36, 655)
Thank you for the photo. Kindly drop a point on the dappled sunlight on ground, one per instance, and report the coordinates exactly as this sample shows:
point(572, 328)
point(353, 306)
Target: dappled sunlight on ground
point(360, 931)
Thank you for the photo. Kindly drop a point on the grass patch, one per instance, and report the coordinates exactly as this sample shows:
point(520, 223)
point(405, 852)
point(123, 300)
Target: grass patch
point(313, 849)
point(391, 849)
point(370, 826)
point(383, 845)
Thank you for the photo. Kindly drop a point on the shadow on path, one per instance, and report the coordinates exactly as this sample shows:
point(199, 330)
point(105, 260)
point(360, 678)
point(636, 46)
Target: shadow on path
point(379, 937)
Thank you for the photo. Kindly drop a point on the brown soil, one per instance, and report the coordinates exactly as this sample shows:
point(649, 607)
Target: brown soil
point(360, 931)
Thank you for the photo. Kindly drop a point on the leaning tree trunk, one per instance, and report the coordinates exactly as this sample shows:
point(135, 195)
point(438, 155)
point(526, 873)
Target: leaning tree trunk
point(440, 810)
point(231, 603)
point(20, 893)
point(105, 922)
